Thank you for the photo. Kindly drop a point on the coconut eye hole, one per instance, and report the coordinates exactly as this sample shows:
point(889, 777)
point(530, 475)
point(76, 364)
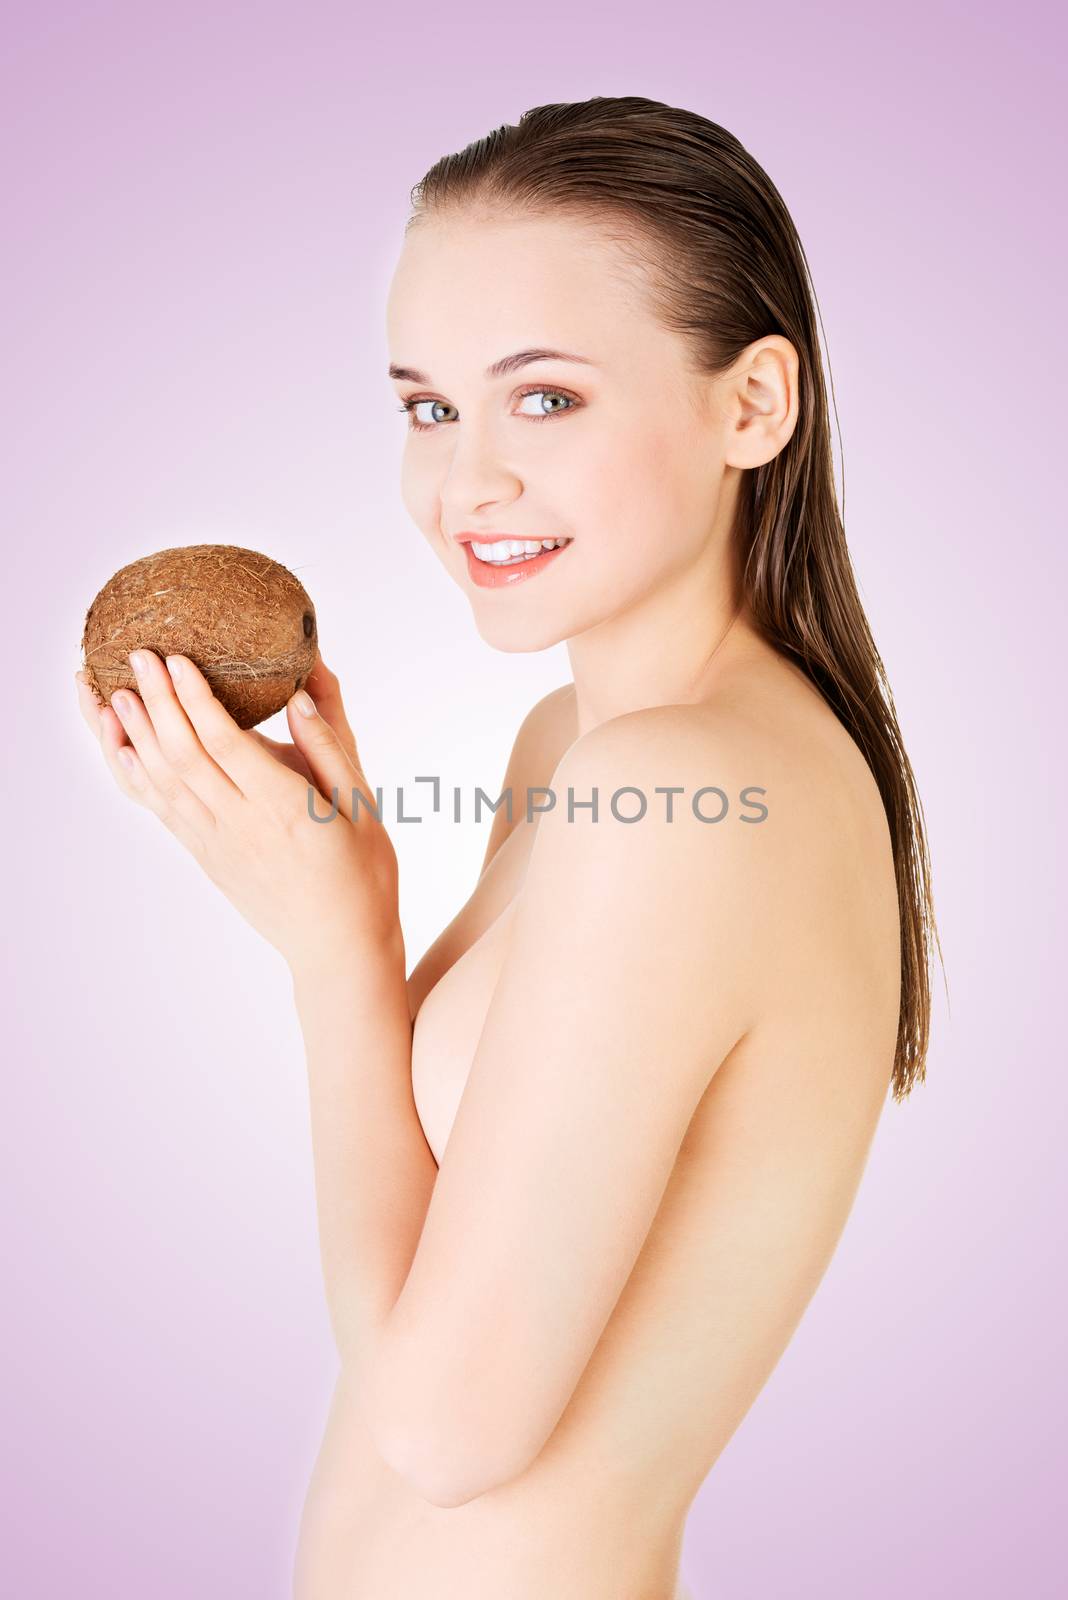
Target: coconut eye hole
point(309, 624)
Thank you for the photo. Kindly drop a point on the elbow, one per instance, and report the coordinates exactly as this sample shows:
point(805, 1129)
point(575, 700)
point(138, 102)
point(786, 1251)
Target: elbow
point(438, 1451)
point(443, 1470)
point(440, 1477)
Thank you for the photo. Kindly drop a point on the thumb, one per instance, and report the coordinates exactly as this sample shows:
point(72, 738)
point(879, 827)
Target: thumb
point(332, 764)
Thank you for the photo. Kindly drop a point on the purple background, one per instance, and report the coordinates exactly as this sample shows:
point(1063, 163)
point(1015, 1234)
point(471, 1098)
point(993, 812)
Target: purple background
point(203, 208)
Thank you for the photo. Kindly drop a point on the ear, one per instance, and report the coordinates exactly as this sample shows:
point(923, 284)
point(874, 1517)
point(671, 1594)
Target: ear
point(761, 401)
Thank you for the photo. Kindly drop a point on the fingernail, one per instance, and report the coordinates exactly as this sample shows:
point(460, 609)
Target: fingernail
point(125, 757)
point(174, 667)
point(137, 661)
point(304, 703)
point(121, 705)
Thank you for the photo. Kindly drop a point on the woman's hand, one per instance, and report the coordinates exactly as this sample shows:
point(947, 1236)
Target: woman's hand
point(323, 892)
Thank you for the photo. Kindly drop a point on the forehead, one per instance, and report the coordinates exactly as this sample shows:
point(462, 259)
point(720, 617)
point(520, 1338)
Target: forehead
point(482, 287)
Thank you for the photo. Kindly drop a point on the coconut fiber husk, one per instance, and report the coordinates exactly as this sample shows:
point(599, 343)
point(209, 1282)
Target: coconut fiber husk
point(243, 619)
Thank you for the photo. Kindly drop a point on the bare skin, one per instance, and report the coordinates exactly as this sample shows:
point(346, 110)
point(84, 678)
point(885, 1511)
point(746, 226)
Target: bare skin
point(758, 1195)
point(646, 1062)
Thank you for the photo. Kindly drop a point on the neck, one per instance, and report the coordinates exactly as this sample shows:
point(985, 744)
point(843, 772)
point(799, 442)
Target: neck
point(669, 649)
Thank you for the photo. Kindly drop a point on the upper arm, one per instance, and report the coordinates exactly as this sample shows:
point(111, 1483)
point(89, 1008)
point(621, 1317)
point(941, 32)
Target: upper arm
point(624, 986)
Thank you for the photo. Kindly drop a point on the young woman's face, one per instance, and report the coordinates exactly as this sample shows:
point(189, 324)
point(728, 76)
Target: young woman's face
point(622, 453)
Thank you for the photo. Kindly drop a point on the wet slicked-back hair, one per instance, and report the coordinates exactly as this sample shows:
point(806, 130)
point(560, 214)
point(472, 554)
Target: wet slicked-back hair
point(725, 267)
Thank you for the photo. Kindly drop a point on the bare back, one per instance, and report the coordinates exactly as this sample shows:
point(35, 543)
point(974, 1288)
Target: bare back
point(760, 1192)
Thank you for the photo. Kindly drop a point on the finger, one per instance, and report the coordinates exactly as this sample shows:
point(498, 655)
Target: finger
point(325, 690)
point(164, 791)
point(129, 773)
point(215, 756)
point(333, 770)
point(177, 750)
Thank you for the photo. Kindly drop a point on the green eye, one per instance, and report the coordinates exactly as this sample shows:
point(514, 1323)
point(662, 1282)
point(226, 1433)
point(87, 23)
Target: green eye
point(410, 407)
point(550, 394)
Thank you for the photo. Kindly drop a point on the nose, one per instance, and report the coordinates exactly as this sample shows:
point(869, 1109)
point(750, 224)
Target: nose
point(476, 476)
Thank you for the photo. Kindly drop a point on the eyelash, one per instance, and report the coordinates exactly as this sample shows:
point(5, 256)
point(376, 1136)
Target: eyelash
point(547, 416)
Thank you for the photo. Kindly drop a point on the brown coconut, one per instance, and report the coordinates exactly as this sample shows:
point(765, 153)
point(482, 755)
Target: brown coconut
point(243, 619)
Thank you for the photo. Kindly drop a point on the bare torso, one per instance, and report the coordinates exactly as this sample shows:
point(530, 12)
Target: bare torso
point(761, 1190)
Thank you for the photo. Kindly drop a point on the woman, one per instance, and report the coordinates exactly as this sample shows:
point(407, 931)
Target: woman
point(579, 1175)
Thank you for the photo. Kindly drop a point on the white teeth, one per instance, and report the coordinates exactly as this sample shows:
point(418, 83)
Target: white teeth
point(506, 550)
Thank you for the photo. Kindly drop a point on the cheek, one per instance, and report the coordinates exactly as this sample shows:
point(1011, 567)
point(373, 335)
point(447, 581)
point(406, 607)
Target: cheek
point(419, 495)
point(638, 498)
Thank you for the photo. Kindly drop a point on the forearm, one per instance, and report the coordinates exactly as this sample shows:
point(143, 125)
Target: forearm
point(374, 1172)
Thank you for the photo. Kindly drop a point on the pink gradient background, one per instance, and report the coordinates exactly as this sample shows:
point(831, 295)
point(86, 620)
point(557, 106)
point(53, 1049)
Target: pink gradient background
point(203, 205)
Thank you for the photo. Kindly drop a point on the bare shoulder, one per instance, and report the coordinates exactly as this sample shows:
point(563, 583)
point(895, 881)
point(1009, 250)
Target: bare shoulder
point(778, 850)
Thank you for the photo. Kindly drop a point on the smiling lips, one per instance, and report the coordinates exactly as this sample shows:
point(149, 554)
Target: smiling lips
point(495, 562)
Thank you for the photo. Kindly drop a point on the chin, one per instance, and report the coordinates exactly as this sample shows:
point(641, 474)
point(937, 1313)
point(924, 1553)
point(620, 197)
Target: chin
point(516, 636)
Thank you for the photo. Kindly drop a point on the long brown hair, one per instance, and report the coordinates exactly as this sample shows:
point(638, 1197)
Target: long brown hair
point(701, 217)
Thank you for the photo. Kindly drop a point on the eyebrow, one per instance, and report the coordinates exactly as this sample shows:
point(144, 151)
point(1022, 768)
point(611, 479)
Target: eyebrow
point(500, 368)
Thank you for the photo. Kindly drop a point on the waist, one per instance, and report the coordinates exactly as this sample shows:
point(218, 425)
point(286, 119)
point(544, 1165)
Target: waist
point(578, 1524)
